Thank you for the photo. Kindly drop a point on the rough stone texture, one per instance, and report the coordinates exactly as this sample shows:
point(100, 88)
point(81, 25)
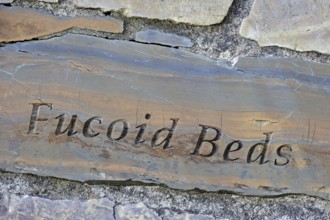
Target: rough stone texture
point(157, 37)
point(29, 207)
point(19, 24)
point(300, 25)
point(215, 41)
point(135, 211)
point(187, 216)
point(165, 202)
point(187, 11)
point(90, 76)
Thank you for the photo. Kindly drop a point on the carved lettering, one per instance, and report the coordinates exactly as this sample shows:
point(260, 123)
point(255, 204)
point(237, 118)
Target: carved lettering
point(167, 140)
point(141, 130)
point(228, 150)
point(34, 116)
point(202, 139)
point(209, 135)
point(87, 126)
point(113, 125)
point(262, 155)
point(283, 155)
point(69, 129)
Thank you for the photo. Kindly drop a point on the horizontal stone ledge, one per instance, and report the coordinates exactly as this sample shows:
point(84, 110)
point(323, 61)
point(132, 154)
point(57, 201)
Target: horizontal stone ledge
point(19, 24)
point(86, 108)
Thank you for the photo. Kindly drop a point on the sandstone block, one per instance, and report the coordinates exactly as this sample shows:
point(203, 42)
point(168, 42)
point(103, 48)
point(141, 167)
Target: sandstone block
point(300, 25)
point(186, 11)
point(19, 24)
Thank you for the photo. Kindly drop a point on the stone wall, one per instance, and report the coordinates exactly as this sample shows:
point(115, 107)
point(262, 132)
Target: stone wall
point(215, 31)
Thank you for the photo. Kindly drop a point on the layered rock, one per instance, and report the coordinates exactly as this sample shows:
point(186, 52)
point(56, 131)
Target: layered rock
point(158, 37)
point(19, 24)
point(86, 108)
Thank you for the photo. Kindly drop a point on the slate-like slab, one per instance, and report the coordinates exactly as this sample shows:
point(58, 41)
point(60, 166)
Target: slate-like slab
point(158, 37)
point(85, 108)
point(187, 11)
point(301, 25)
point(18, 24)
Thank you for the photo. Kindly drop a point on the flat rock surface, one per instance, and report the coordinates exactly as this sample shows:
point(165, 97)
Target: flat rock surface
point(18, 24)
point(6, 1)
point(50, 1)
point(135, 211)
point(85, 108)
point(31, 207)
point(186, 11)
point(158, 37)
point(300, 25)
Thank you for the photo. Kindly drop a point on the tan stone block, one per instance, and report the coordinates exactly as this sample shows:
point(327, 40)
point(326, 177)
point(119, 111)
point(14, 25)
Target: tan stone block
point(19, 24)
point(301, 25)
point(194, 12)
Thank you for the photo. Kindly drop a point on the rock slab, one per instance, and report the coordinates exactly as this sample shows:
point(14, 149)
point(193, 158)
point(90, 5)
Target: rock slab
point(158, 37)
point(300, 25)
point(6, 1)
point(186, 11)
point(89, 109)
point(50, 1)
point(19, 24)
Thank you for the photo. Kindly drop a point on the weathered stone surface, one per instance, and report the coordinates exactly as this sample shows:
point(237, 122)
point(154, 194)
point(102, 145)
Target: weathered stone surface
point(50, 1)
point(301, 25)
point(187, 216)
point(135, 211)
point(186, 11)
point(30, 207)
point(6, 1)
point(18, 24)
point(150, 88)
point(157, 37)
point(168, 203)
